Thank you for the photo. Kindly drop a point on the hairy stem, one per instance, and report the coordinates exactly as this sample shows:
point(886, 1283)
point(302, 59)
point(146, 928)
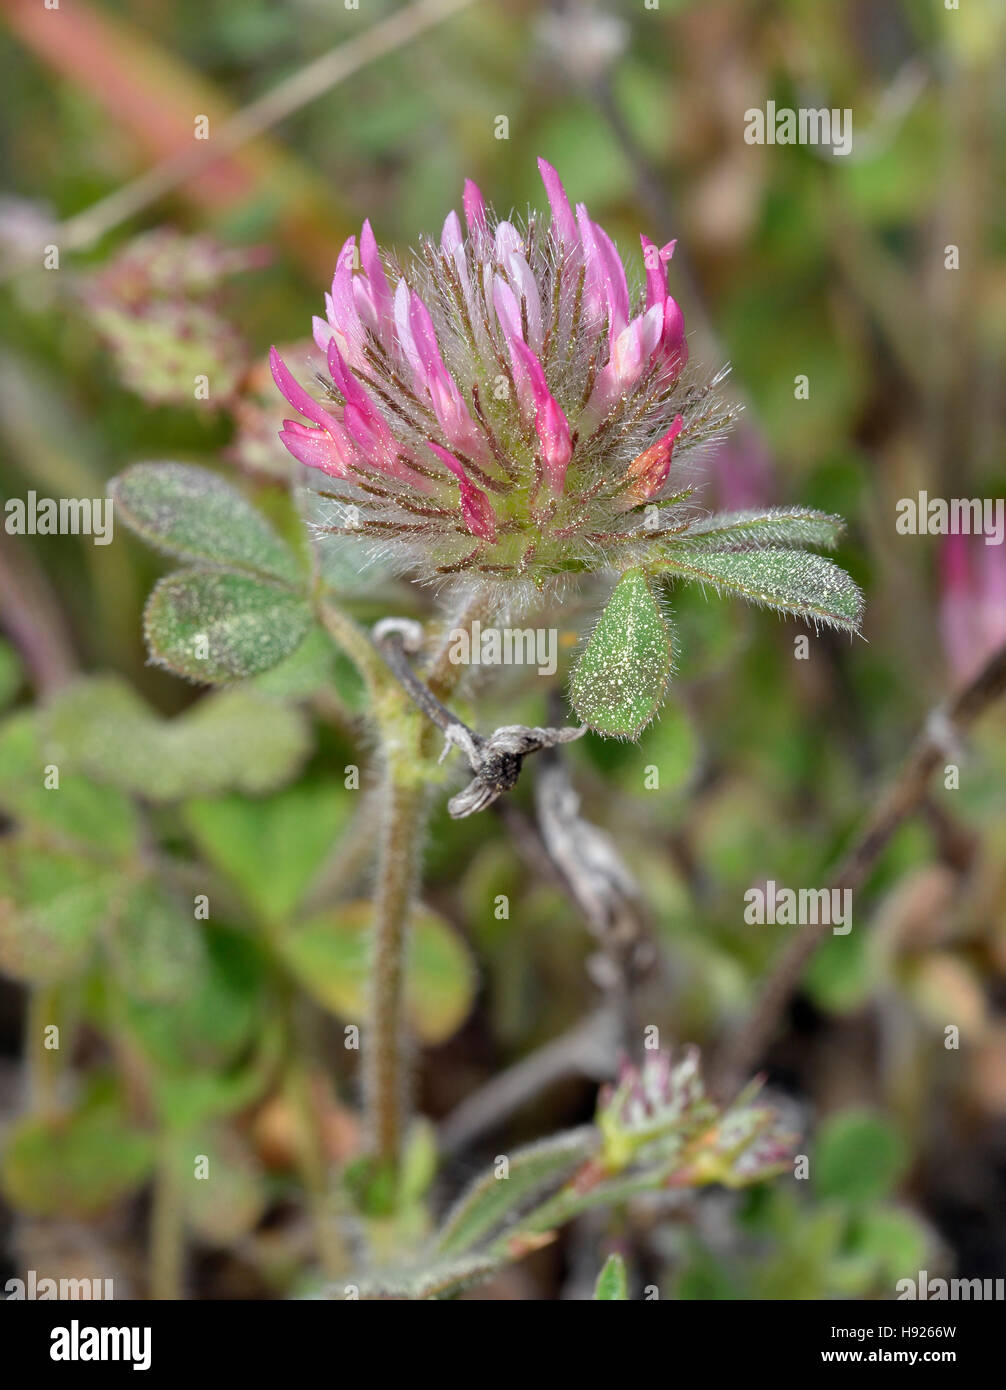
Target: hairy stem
point(407, 745)
point(385, 1076)
point(348, 635)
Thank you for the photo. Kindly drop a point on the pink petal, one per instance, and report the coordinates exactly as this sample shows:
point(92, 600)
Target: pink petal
point(631, 352)
point(510, 255)
point(475, 208)
point(550, 421)
point(295, 393)
point(508, 313)
point(342, 311)
point(476, 509)
point(377, 280)
point(313, 447)
point(606, 287)
point(656, 275)
point(562, 214)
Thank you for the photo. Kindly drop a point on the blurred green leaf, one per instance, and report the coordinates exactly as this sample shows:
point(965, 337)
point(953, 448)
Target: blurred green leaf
point(210, 1027)
point(156, 947)
point(214, 626)
point(843, 973)
point(77, 812)
point(227, 1203)
point(439, 1280)
point(233, 740)
point(858, 1155)
point(502, 1192)
point(195, 515)
point(330, 956)
point(894, 1241)
point(52, 908)
point(620, 678)
point(612, 1282)
point(271, 849)
point(74, 1165)
point(305, 672)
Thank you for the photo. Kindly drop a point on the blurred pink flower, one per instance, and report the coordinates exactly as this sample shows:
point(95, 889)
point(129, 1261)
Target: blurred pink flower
point(741, 473)
point(972, 603)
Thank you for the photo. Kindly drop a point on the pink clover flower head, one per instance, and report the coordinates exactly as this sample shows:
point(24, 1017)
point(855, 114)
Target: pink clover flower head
point(506, 404)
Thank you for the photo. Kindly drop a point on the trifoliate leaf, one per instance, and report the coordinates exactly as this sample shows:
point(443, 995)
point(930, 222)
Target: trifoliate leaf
point(791, 581)
point(235, 740)
point(271, 849)
point(214, 626)
point(623, 670)
point(194, 514)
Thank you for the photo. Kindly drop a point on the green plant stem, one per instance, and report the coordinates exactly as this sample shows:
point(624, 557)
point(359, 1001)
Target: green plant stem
point(404, 820)
point(407, 743)
point(348, 635)
point(167, 1228)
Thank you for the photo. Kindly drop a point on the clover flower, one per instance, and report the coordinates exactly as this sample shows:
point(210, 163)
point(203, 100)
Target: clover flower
point(659, 1113)
point(504, 411)
point(505, 404)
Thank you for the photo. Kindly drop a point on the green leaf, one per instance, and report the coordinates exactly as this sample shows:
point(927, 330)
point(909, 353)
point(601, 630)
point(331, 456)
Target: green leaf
point(214, 626)
point(225, 1204)
point(156, 948)
point(843, 973)
point(235, 740)
point(790, 580)
point(74, 1165)
point(612, 1282)
point(305, 672)
point(194, 514)
point(497, 1197)
point(748, 530)
point(203, 1032)
point(76, 813)
point(271, 849)
point(441, 1280)
point(623, 670)
point(186, 1099)
point(52, 907)
point(330, 955)
point(894, 1240)
point(859, 1156)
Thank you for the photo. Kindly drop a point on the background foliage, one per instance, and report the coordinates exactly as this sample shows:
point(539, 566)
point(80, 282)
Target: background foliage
point(227, 1035)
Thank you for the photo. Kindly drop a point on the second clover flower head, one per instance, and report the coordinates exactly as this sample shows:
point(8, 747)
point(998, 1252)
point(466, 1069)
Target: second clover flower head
point(504, 406)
